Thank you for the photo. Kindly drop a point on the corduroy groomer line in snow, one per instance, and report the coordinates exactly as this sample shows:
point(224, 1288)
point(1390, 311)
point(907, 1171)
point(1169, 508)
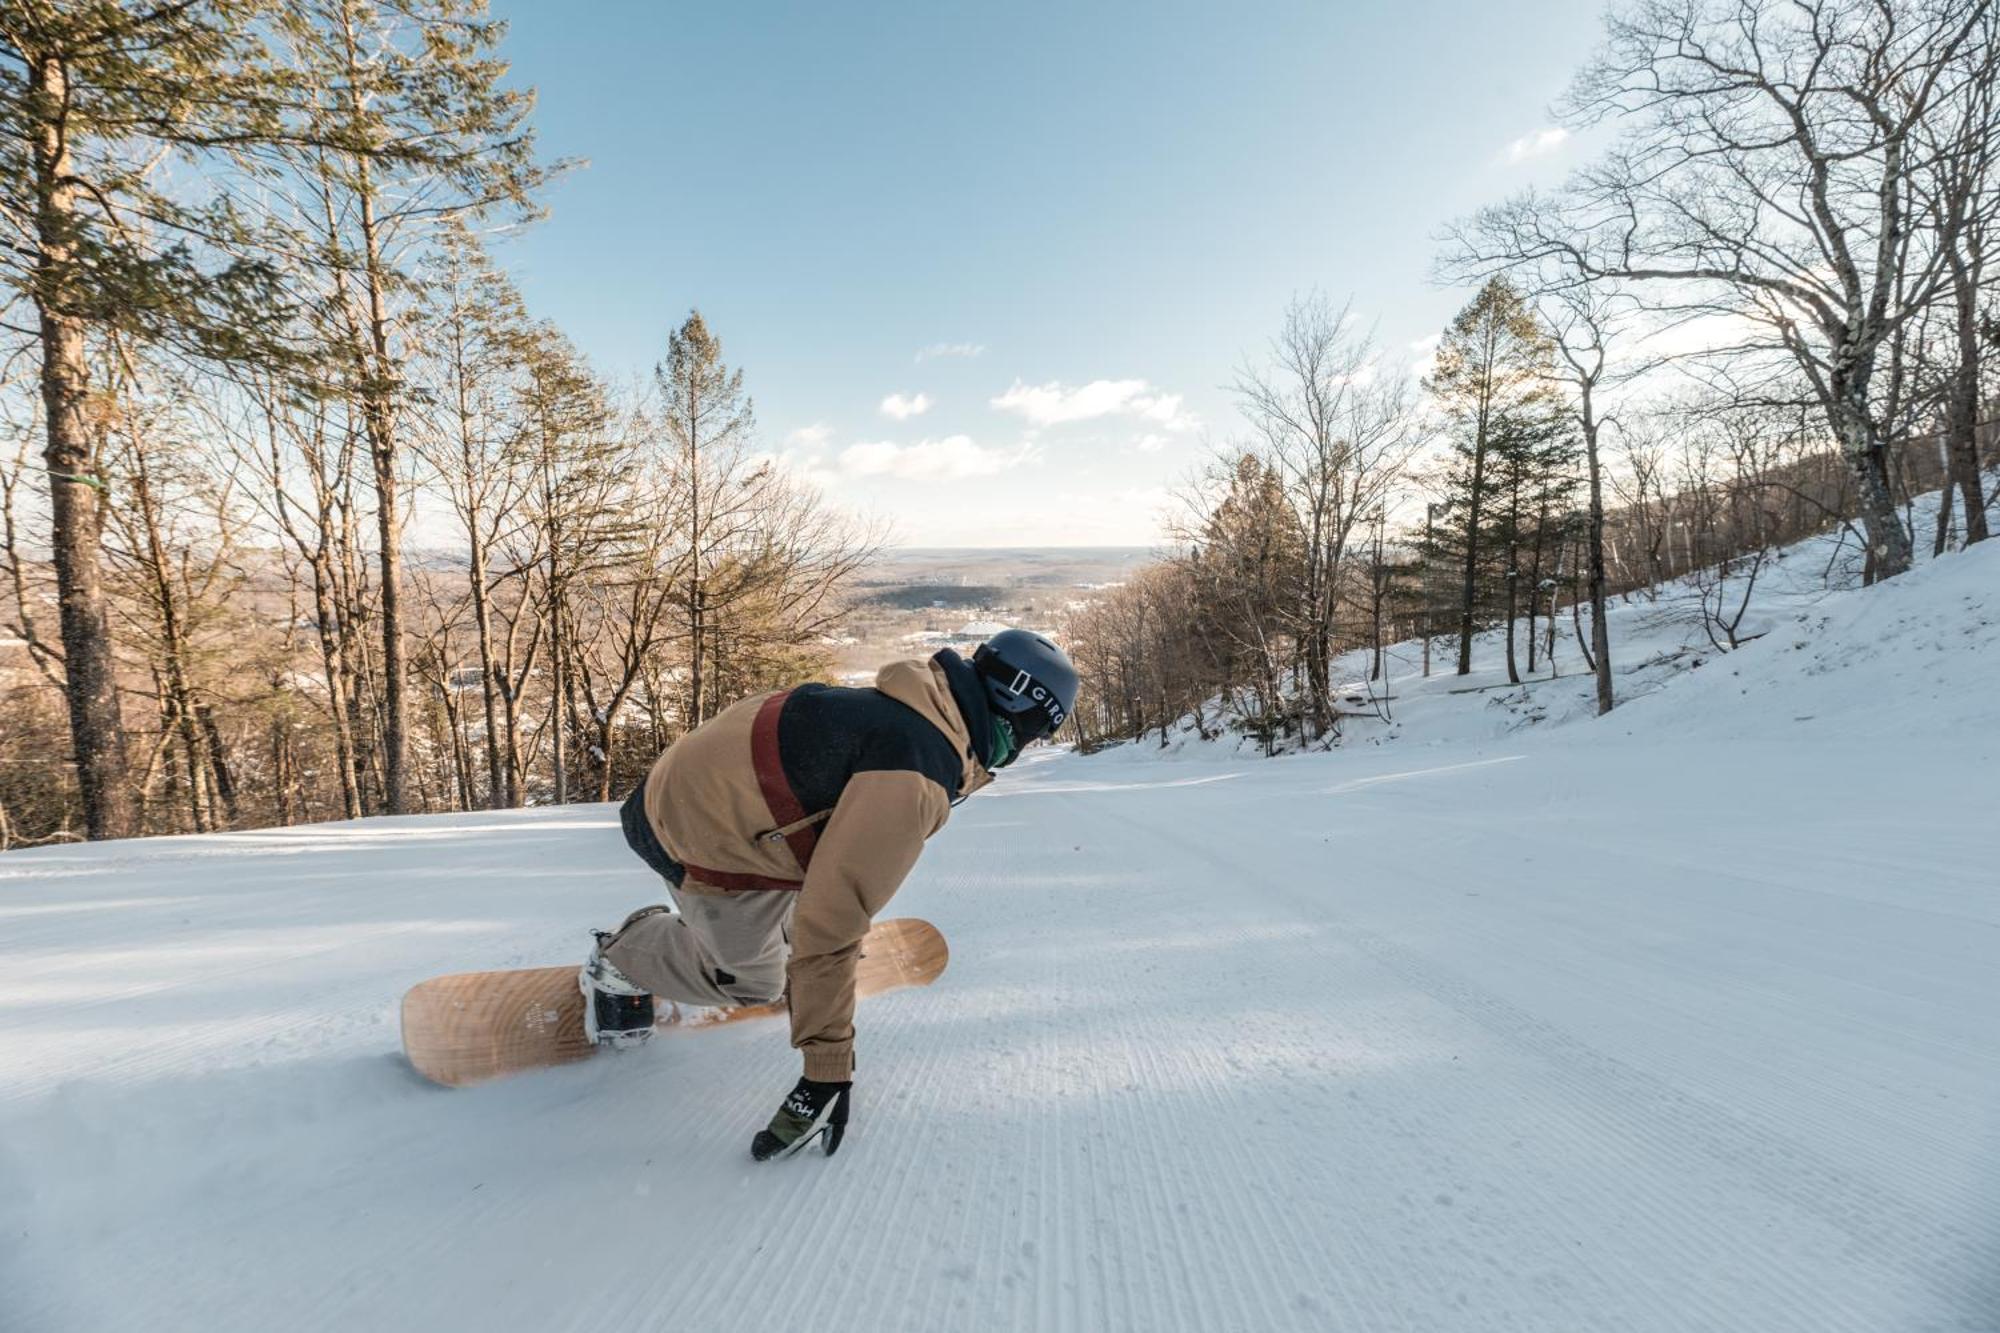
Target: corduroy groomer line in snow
point(1642, 1024)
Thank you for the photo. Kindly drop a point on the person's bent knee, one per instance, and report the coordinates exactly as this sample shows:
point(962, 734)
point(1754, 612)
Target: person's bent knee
point(756, 985)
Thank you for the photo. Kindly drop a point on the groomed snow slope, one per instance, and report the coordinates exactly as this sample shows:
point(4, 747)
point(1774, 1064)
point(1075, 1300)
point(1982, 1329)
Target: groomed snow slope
point(1683, 1020)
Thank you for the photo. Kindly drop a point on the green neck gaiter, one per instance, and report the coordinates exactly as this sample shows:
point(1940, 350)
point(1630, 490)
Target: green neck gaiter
point(1003, 744)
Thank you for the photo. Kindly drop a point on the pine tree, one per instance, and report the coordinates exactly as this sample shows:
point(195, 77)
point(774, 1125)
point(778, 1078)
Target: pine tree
point(1494, 381)
point(1531, 469)
point(708, 419)
point(1246, 567)
point(93, 94)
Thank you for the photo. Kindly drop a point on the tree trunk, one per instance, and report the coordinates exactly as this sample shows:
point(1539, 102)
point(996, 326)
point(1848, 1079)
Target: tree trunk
point(605, 744)
point(1867, 457)
point(177, 687)
point(1535, 586)
point(333, 660)
point(1551, 608)
point(1600, 634)
point(694, 604)
point(461, 750)
point(490, 683)
point(162, 761)
point(1962, 404)
point(510, 702)
point(97, 730)
point(697, 650)
point(339, 687)
point(281, 772)
point(378, 416)
point(375, 388)
point(218, 762)
point(1470, 592)
point(560, 705)
point(350, 594)
point(1576, 623)
point(1941, 530)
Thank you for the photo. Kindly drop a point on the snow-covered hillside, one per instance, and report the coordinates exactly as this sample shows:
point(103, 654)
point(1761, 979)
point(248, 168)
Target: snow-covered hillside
point(1897, 641)
point(1680, 1020)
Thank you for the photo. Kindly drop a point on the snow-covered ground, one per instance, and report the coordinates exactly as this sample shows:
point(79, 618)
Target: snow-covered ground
point(1680, 1020)
point(1658, 635)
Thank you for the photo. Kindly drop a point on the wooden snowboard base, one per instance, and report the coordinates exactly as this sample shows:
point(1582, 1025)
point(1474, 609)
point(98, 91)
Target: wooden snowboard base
point(473, 1026)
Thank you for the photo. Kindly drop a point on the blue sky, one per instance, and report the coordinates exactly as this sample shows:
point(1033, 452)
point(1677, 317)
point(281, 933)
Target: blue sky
point(1063, 225)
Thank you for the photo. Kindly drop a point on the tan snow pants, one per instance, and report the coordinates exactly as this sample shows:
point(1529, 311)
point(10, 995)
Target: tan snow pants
point(724, 947)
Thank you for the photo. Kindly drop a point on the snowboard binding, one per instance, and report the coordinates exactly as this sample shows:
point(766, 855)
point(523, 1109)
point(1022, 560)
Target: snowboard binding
point(616, 1012)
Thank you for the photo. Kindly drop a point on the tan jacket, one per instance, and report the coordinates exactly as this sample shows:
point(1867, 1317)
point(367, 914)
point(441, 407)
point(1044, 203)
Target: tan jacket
point(719, 808)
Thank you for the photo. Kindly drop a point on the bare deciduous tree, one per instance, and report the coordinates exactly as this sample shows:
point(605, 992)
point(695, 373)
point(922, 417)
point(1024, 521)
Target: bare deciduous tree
point(1766, 176)
point(1337, 430)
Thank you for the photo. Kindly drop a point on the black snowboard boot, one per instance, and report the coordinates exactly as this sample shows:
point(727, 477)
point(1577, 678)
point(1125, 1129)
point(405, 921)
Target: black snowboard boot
point(616, 1011)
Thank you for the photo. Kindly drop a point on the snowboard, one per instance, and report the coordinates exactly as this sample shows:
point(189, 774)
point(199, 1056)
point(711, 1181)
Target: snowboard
point(470, 1027)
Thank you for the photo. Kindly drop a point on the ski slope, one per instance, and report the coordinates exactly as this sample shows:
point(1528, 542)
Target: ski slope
point(1683, 1020)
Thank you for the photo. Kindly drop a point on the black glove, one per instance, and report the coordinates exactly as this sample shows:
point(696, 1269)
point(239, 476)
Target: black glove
point(812, 1109)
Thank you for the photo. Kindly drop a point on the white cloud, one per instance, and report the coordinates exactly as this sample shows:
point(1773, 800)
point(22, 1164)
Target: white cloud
point(1539, 144)
point(1054, 403)
point(804, 457)
point(903, 406)
point(949, 349)
point(1150, 443)
point(1423, 356)
point(947, 459)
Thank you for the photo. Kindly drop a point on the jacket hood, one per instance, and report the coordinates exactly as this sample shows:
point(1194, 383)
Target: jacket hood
point(949, 700)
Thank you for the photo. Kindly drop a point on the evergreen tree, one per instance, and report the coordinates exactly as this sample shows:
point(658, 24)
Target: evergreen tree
point(1494, 381)
point(1246, 569)
point(1531, 469)
point(707, 418)
point(94, 95)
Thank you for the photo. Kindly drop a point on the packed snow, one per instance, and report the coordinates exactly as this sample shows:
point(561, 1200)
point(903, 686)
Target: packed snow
point(1496, 1017)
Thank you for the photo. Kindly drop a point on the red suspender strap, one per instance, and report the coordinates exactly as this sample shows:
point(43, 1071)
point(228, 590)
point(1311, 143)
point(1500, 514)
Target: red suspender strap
point(784, 805)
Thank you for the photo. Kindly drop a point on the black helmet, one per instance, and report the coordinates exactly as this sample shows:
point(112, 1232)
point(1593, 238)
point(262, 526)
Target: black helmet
point(1029, 681)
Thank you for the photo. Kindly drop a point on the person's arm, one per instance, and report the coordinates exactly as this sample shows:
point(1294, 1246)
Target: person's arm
point(863, 855)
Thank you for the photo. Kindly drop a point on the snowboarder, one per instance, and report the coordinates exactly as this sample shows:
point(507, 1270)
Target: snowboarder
point(784, 824)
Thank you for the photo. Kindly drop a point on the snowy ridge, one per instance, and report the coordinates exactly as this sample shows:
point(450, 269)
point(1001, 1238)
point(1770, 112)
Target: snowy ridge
point(1806, 599)
point(1681, 1020)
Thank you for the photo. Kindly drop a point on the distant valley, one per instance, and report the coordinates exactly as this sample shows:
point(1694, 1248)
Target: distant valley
point(913, 600)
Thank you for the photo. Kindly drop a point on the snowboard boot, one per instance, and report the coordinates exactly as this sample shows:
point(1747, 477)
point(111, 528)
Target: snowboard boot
point(616, 1011)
